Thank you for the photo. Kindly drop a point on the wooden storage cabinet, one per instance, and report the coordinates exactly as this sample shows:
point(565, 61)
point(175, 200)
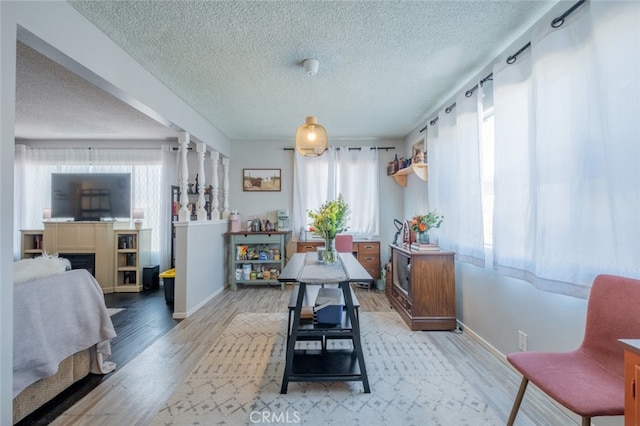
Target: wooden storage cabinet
point(631, 381)
point(31, 243)
point(367, 253)
point(132, 254)
point(423, 288)
point(272, 243)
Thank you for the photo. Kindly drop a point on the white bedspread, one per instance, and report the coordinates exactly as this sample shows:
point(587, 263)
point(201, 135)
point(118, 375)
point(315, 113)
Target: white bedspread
point(55, 317)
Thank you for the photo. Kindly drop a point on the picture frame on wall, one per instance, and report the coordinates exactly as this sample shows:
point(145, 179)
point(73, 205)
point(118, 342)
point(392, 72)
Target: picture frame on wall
point(261, 180)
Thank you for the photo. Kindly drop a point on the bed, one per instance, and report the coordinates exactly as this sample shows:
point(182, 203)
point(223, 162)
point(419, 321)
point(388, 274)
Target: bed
point(62, 332)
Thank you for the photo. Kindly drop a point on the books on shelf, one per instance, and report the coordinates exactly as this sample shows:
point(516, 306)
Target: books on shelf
point(425, 247)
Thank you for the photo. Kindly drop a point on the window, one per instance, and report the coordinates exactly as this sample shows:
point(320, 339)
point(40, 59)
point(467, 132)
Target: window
point(350, 172)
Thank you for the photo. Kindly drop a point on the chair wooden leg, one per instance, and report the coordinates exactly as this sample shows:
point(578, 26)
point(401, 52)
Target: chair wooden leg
point(586, 421)
point(518, 401)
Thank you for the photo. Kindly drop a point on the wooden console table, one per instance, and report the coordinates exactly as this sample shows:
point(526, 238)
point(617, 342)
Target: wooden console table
point(324, 365)
point(423, 288)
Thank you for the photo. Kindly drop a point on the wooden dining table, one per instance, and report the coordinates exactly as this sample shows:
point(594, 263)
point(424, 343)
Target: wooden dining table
point(324, 364)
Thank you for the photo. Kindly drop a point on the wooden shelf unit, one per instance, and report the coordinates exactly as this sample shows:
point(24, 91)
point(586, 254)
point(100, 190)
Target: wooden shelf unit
point(31, 243)
point(132, 253)
point(420, 170)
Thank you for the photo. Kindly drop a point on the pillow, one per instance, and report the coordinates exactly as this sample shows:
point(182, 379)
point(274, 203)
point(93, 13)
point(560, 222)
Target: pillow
point(39, 267)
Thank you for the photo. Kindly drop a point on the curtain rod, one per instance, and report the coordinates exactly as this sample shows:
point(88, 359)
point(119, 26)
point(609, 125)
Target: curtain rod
point(512, 59)
point(555, 23)
point(358, 148)
point(469, 92)
point(450, 108)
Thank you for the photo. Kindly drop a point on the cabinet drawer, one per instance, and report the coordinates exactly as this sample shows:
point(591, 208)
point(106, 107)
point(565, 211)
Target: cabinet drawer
point(246, 239)
point(401, 298)
point(372, 247)
point(306, 246)
point(371, 264)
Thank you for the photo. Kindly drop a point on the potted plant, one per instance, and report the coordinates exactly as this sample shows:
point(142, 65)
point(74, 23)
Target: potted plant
point(421, 224)
point(327, 222)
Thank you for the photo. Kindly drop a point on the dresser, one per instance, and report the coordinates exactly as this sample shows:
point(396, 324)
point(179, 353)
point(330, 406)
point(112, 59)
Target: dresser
point(366, 251)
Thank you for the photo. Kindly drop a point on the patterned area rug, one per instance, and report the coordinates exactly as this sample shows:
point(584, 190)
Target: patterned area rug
point(238, 382)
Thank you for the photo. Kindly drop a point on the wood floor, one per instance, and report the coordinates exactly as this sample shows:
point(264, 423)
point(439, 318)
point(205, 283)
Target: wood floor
point(164, 355)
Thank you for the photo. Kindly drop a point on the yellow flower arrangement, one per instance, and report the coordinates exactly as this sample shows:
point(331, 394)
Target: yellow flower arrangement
point(330, 219)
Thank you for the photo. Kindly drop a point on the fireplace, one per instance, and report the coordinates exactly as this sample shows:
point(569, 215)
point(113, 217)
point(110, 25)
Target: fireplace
point(82, 261)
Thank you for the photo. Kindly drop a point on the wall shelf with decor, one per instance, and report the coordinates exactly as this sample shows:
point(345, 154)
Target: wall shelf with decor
point(420, 170)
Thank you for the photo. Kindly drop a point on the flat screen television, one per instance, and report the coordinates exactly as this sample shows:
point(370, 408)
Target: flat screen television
point(91, 196)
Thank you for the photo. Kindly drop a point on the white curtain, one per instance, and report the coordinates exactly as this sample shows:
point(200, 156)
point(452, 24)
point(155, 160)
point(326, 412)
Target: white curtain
point(313, 184)
point(34, 166)
point(350, 172)
point(566, 152)
point(454, 180)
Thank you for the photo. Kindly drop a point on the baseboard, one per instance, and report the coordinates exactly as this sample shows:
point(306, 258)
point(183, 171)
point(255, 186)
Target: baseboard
point(503, 358)
point(184, 315)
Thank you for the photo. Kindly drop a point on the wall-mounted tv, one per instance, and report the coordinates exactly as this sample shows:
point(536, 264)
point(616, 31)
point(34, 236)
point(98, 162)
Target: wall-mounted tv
point(91, 196)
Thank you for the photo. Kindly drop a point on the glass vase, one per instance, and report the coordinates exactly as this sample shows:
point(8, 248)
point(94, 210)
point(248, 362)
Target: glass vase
point(423, 238)
point(330, 254)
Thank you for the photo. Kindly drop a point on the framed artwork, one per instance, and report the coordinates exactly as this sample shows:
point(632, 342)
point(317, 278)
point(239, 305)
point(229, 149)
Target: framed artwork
point(259, 180)
point(419, 150)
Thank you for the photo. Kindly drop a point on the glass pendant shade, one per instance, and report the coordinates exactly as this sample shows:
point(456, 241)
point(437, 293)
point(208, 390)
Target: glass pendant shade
point(311, 138)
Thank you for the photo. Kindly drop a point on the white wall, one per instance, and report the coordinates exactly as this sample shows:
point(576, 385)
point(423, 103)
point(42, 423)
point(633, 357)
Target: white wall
point(271, 154)
point(7, 114)
point(200, 265)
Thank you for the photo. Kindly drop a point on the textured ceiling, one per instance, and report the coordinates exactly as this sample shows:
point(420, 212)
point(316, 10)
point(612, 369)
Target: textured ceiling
point(384, 65)
point(54, 103)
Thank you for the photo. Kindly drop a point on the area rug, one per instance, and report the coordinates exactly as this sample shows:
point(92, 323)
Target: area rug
point(113, 311)
point(238, 382)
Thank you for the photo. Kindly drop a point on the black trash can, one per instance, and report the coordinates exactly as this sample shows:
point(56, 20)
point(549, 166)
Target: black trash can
point(151, 277)
point(168, 282)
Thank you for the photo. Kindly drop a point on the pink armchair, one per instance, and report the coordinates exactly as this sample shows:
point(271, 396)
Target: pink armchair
point(588, 380)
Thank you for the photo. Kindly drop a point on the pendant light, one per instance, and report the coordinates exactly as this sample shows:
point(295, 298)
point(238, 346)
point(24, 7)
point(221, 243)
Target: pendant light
point(311, 137)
